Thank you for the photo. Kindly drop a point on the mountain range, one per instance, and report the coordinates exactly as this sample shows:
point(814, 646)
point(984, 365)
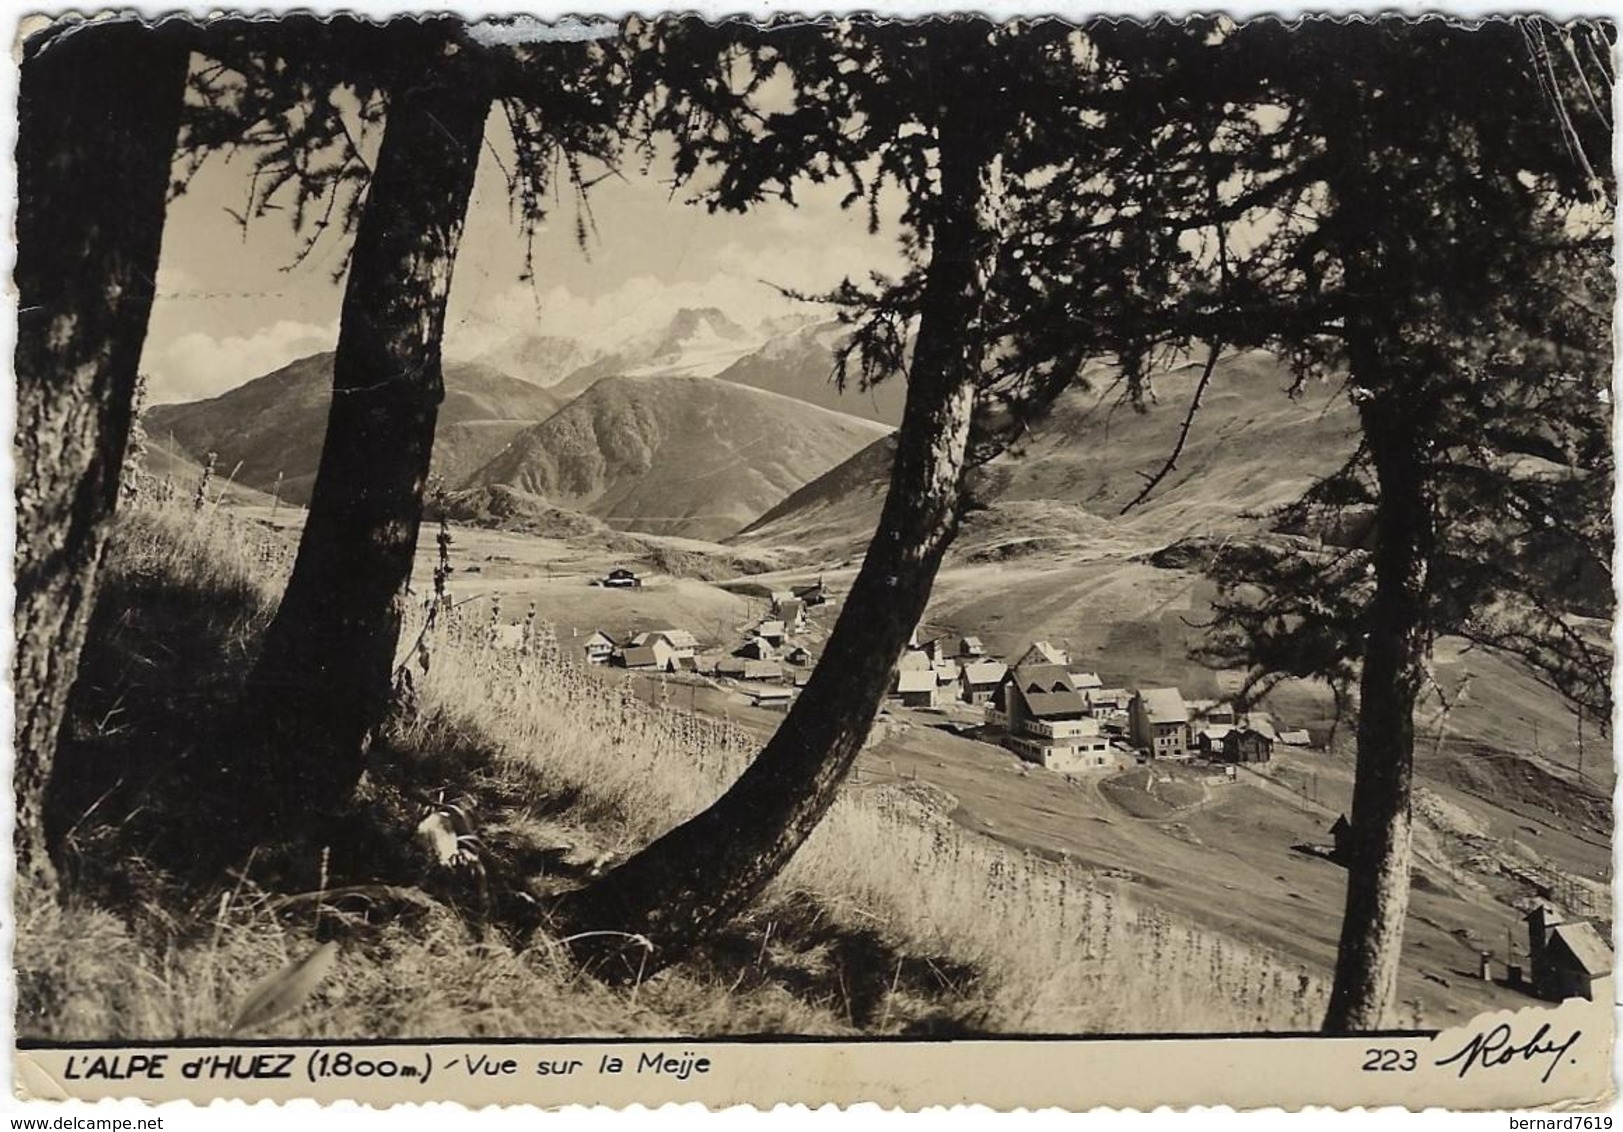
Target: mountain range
point(274, 426)
point(791, 355)
point(764, 419)
point(682, 455)
point(1251, 448)
point(1045, 550)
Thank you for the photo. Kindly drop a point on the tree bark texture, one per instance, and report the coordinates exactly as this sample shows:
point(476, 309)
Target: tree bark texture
point(322, 680)
point(701, 874)
point(98, 111)
point(1395, 651)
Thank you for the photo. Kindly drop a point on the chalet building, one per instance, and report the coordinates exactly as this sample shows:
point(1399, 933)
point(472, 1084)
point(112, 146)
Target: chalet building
point(740, 669)
point(1160, 723)
point(1261, 722)
point(620, 579)
point(679, 641)
point(792, 612)
point(1210, 712)
point(1569, 959)
point(814, 594)
point(800, 656)
point(1246, 744)
point(682, 664)
point(1209, 741)
point(756, 648)
point(656, 654)
point(1299, 738)
point(916, 687)
point(1224, 742)
point(914, 660)
point(970, 648)
point(1086, 681)
point(940, 650)
point(778, 697)
point(771, 630)
point(598, 648)
point(1109, 706)
point(979, 679)
point(1046, 720)
point(1041, 652)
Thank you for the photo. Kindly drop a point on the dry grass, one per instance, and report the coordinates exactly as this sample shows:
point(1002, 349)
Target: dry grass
point(1051, 948)
point(890, 920)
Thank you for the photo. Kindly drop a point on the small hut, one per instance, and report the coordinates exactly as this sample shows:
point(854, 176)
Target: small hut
point(1568, 958)
point(1341, 833)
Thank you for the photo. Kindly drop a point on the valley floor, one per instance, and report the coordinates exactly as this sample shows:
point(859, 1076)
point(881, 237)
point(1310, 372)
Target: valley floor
point(1482, 852)
point(953, 890)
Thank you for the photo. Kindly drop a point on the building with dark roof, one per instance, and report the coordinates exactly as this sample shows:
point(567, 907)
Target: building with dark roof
point(916, 687)
point(654, 655)
point(970, 646)
point(1046, 721)
point(598, 648)
point(1231, 743)
point(1569, 958)
point(791, 611)
point(979, 679)
point(1160, 722)
point(756, 648)
point(814, 594)
point(1041, 652)
point(1341, 835)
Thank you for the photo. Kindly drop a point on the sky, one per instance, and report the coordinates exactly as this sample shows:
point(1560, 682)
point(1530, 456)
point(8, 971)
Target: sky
point(234, 304)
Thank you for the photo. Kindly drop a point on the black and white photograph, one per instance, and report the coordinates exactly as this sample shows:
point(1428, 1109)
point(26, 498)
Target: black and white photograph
point(832, 528)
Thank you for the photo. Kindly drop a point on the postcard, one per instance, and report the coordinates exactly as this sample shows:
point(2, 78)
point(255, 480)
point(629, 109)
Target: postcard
point(1039, 562)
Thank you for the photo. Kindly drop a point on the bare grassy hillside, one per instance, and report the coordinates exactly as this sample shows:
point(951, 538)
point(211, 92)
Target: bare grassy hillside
point(1252, 448)
point(674, 455)
point(892, 920)
point(1045, 553)
point(274, 425)
point(800, 363)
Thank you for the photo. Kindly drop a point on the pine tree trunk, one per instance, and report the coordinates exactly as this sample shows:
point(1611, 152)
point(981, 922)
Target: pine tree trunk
point(698, 876)
point(1395, 652)
point(322, 680)
point(97, 116)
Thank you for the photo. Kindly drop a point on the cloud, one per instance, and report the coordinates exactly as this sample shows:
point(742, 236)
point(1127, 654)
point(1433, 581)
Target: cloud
point(640, 304)
point(743, 284)
point(197, 364)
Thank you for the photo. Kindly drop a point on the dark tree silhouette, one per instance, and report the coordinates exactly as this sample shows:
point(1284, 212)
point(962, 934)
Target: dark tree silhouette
point(97, 120)
point(1448, 195)
point(1394, 203)
point(322, 682)
point(966, 117)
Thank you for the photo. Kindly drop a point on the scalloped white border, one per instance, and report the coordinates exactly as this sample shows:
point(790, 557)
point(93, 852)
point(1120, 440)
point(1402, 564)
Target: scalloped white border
point(349, 1117)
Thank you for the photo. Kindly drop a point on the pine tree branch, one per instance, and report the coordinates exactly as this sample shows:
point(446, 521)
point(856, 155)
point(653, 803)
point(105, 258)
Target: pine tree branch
point(1183, 434)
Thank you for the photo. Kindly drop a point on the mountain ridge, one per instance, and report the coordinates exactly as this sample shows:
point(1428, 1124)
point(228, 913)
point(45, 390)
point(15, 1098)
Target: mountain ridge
point(692, 456)
point(275, 425)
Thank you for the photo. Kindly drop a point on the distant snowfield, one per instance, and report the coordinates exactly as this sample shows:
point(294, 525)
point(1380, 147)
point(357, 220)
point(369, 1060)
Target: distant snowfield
point(705, 354)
